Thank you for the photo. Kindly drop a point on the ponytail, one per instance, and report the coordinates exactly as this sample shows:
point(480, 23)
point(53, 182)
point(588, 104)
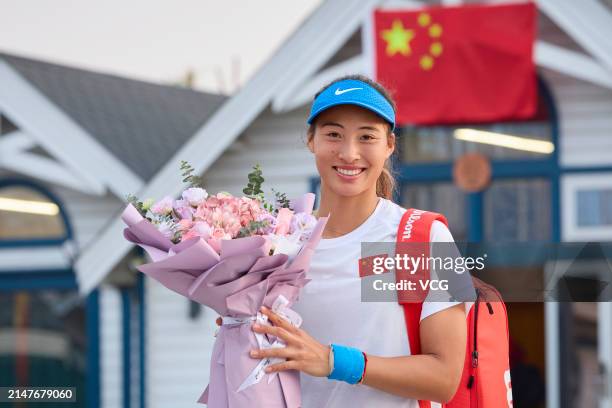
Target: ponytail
point(386, 184)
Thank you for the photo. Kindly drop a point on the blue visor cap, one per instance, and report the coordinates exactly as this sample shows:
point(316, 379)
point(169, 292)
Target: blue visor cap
point(353, 92)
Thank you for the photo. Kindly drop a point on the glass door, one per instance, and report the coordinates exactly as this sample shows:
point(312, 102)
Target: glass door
point(43, 341)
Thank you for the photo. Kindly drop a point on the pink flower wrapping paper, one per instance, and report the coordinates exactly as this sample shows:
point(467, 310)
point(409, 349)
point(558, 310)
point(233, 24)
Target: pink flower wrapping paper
point(234, 283)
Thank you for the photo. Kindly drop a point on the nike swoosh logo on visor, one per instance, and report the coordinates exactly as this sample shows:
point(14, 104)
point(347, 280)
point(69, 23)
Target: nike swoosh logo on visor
point(341, 91)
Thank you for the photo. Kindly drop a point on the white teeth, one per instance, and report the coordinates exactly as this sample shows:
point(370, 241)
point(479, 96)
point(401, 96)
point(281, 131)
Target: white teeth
point(349, 172)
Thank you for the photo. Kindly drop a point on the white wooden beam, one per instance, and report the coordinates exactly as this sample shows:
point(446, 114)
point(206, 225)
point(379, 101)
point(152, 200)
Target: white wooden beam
point(571, 63)
point(587, 21)
point(13, 156)
point(339, 34)
point(62, 137)
point(46, 169)
point(303, 95)
point(16, 141)
point(368, 41)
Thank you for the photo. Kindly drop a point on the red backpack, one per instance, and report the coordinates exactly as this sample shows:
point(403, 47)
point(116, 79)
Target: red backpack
point(485, 381)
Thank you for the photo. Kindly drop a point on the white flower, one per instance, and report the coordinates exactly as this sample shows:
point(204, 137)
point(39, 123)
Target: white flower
point(195, 195)
point(284, 244)
point(166, 228)
point(302, 225)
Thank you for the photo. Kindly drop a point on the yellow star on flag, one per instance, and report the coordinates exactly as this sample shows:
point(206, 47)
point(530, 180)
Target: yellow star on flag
point(398, 39)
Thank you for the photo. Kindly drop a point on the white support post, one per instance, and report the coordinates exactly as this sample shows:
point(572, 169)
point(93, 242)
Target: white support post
point(553, 378)
point(604, 350)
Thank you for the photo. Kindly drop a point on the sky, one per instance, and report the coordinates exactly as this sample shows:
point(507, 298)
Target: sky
point(224, 42)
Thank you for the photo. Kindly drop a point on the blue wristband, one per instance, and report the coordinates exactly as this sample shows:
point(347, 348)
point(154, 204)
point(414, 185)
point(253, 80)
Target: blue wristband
point(348, 364)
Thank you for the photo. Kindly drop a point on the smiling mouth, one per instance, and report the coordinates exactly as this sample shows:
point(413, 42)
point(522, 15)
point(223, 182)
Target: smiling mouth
point(349, 173)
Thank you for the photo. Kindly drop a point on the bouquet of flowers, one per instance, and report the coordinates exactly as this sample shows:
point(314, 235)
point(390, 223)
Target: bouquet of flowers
point(232, 254)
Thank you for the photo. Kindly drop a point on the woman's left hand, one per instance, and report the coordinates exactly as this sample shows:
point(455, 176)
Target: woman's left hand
point(302, 352)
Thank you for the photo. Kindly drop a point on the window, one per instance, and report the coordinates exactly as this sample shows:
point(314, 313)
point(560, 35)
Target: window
point(594, 207)
point(517, 210)
point(587, 210)
point(27, 214)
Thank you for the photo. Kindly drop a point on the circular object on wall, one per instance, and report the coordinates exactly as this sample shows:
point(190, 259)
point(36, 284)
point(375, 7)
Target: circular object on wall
point(472, 172)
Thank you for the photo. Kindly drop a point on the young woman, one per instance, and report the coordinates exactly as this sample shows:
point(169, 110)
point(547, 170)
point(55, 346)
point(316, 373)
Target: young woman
point(351, 136)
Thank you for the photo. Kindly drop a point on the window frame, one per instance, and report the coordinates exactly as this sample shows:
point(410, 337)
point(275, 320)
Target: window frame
point(571, 184)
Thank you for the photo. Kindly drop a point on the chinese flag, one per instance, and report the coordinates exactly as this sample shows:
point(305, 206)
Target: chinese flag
point(366, 265)
point(470, 63)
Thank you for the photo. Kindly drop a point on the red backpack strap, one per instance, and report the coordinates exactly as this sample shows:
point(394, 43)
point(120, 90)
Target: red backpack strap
point(415, 226)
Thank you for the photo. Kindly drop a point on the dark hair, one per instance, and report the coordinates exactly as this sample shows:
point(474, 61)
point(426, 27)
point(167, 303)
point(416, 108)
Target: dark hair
point(386, 184)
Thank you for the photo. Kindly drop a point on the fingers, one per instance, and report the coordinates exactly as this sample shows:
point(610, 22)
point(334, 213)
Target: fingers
point(279, 352)
point(283, 352)
point(287, 365)
point(279, 332)
point(278, 320)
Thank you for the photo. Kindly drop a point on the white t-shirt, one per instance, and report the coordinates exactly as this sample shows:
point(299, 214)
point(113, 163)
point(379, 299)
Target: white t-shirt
point(333, 312)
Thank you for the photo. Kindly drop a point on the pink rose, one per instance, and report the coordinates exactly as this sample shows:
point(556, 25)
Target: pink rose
point(211, 202)
point(201, 229)
point(184, 225)
point(188, 235)
point(218, 233)
point(198, 229)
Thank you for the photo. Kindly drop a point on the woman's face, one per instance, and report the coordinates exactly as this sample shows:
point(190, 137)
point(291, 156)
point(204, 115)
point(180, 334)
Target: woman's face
point(350, 145)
